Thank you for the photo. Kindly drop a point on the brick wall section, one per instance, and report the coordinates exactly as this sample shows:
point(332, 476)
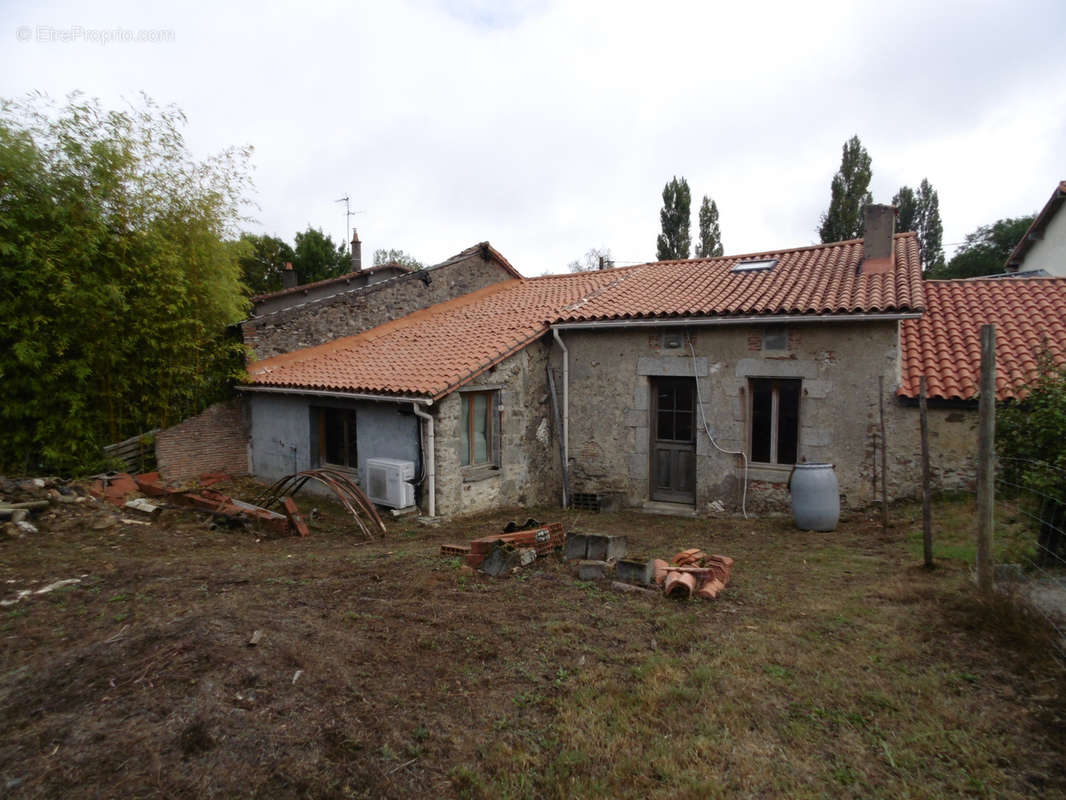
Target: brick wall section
point(215, 440)
point(356, 310)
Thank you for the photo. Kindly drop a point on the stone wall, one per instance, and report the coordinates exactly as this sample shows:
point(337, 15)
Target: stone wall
point(529, 472)
point(611, 373)
point(215, 440)
point(352, 311)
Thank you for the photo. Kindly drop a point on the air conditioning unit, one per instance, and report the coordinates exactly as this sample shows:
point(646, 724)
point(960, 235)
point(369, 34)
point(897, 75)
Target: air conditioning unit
point(387, 482)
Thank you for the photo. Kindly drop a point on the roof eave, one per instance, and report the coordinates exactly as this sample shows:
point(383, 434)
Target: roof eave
point(338, 394)
point(1017, 255)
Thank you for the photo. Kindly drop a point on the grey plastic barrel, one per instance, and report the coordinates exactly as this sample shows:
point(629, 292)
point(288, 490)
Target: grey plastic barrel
point(815, 497)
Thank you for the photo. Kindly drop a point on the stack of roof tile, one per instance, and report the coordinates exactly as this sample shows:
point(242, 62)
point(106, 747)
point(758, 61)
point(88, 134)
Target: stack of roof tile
point(693, 573)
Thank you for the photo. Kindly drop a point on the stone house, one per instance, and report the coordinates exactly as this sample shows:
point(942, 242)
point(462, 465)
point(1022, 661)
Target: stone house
point(695, 384)
point(779, 352)
point(308, 314)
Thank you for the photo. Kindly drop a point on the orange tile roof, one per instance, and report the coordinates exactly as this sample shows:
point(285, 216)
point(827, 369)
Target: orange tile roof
point(945, 345)
point(434, 351)
point(822, 279)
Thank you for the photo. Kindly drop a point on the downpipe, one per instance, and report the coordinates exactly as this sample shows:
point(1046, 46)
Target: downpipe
point(431, 458)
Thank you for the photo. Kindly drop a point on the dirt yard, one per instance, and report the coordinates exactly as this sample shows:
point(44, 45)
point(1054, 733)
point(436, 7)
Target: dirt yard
point(833, 665)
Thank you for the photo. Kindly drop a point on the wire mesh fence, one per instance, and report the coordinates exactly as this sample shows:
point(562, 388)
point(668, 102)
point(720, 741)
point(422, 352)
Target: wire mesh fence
point(1031, 527)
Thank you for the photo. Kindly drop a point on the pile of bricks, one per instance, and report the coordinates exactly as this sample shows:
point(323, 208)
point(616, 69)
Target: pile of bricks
point(693, 573)
point(543, 540)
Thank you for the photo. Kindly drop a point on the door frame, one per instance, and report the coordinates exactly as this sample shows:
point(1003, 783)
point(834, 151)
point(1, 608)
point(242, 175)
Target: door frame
point(655, 494)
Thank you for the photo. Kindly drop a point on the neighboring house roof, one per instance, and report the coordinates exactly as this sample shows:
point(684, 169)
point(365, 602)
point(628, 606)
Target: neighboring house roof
point(345, 278)
point(488, 252)
point(432, 352)
point(1036, 230)
point(945, 343)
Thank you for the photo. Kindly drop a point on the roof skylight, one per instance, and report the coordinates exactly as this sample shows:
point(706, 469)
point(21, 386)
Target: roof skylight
point(756, 265)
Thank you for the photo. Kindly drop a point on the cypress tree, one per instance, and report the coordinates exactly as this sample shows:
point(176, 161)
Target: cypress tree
point(920, 212)
point(710, 244)
point(675, 242)
point(849, 192)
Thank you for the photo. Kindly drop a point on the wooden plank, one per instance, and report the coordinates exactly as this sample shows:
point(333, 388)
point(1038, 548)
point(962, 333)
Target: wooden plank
point(986, 436)
point(927, 503)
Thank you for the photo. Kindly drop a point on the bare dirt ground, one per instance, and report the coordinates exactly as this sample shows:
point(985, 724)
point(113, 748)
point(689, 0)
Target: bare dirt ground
point(832, 666)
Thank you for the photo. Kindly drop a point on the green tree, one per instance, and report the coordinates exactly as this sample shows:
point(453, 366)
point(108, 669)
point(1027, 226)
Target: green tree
point(594, 259)
point(710, 243)
point(675, 241)
point(849, 191)
point(316, 257)
point(920, 212)
point(1031, 447)
point(263, 262)
point(985, 251)
point(397, 257)
point(118, 278)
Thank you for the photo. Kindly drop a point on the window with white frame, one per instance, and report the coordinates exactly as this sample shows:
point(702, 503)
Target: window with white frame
point(775, 406)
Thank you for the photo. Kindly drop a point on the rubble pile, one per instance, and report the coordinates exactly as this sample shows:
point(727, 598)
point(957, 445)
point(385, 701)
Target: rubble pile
point(113, 500)
point(29, 505)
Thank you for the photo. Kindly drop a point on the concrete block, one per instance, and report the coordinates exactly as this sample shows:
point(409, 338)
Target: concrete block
point(576, 546)
point(606, 547)
point(592, 570)
point(500, 561)
point(640, 396)
point(634, 571)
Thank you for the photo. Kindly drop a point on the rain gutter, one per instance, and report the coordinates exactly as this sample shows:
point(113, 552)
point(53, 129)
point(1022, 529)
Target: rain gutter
point(662, 322)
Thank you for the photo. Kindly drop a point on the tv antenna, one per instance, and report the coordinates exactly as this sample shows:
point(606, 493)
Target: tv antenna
point(348, 214)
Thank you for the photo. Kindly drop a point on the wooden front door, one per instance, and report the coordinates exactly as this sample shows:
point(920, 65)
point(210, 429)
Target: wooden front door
point(673, 440)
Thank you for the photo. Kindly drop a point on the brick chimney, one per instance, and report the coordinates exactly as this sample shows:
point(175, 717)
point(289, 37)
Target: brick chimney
point(357, 252)
point(288, 276)
point(877, 243)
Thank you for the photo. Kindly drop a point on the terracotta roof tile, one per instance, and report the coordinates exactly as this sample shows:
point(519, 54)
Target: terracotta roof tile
point(434, 351)
point(823, 279)
point(944, 344)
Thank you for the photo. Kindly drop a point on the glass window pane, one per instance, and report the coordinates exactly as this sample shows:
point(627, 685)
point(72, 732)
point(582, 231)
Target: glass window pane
point(481, 417)
point(464, 457)
point(787, 421)
point(683, 426)
point(684, 396)
point(665, 425)
point(761, 410)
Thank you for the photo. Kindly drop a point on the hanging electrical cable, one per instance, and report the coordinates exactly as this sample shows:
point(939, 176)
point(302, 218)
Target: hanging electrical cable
point(707, 430)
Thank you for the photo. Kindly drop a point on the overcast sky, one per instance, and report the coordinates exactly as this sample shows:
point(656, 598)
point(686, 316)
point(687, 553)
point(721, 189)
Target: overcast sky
point(549, 128)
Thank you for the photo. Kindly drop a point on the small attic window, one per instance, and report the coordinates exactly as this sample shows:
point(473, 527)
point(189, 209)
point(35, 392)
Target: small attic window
point(757, 265)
